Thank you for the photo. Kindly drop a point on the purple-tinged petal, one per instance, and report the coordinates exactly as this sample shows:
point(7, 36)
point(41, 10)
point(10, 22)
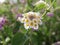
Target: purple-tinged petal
point(2, 20)
point(19, 15)
point(50, 14)
point(1, 27)
point(22, 1)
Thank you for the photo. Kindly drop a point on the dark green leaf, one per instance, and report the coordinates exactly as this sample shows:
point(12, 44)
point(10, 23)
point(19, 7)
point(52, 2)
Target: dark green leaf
point(8, 31)
point(18, 39)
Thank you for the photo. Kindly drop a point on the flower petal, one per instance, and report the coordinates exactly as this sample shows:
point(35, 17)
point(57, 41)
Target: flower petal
point(26, 26)
point(36, 27)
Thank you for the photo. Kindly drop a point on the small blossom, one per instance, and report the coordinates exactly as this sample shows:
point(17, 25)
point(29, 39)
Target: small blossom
point(43, 43)
point(22, 1)
point(7, 39)
point(50, 14)
point(31, 20)
point(53, 33)
point(19, 17)
point(42, 3)
point(2, 21)
point(57, 43)
point(2, 1)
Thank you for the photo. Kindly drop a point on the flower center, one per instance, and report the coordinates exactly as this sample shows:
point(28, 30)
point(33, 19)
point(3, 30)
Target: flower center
point(31, 17)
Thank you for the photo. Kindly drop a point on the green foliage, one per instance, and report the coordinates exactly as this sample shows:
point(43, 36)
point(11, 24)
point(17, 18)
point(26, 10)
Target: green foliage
point(40, 6)
point(19, 39)
point(48, 32)
point(8, 31)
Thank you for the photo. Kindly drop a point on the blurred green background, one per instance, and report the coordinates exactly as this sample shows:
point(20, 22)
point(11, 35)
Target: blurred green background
point(14, 33)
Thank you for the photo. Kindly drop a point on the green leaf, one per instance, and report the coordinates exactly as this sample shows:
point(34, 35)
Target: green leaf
point(34, 38)
point(55, 3)
point(29, 6)
point(4, 8)
point(40, 7)
point(57, 11)
point(16, 26)
point(19, 39)
point(29, 2)
point(48, 1)
point(8, 31)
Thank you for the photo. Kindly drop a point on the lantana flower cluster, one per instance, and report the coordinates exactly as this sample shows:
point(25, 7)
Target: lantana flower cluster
point(42, 3)
point(31, 20)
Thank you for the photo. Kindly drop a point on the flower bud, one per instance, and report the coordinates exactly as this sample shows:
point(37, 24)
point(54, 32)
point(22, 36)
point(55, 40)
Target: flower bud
point(50, 14)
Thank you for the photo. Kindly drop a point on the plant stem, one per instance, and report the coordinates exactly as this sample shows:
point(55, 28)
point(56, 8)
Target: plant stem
point(4, 43)
point(48, 9)
point(29, 35)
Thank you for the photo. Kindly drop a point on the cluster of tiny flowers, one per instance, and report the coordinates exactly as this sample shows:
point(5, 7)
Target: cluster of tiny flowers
point(31, 20)
point(2, 22)
point(42, 2)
